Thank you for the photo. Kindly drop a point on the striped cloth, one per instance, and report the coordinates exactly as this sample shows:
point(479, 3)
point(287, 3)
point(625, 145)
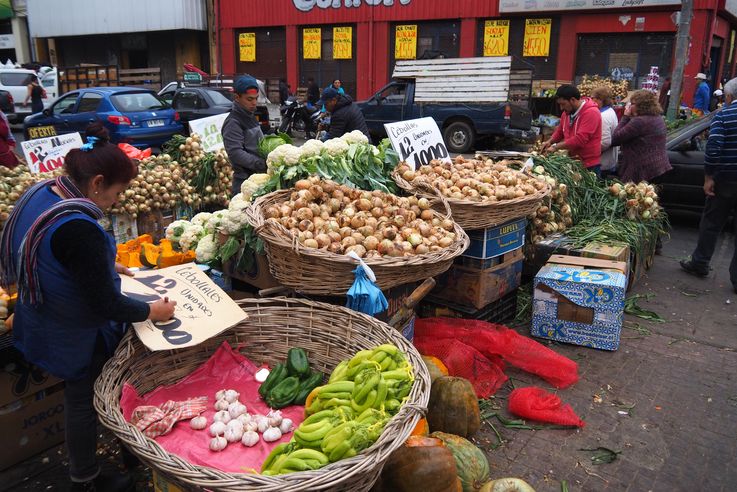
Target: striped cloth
point(720, 157)
point(156, 421)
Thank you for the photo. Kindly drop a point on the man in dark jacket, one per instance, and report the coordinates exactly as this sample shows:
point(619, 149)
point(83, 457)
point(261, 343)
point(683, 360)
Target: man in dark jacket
point(242, 133)
point(313, 92)
point(344, 115)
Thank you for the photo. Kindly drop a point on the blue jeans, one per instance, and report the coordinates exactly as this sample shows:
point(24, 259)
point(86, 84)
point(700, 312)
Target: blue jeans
point(713, 219)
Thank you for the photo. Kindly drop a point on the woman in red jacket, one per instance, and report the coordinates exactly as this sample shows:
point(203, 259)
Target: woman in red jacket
point(7, 144)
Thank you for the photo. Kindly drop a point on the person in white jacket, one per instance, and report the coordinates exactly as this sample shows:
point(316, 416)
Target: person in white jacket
point(602, 96)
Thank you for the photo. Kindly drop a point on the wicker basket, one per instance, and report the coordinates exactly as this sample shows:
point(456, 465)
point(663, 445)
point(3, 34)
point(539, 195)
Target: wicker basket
point(316, 271)
point(478, 215)
point(328, 333)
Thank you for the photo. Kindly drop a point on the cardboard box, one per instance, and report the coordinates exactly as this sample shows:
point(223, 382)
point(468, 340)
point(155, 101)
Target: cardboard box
point(615, 252)
point(477, 288)
point(580, 301)
point(258, 275)
point(479, 264)
point(538, 254)
point(495, 241)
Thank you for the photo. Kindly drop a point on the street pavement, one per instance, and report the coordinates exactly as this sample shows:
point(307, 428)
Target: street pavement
point(666, 401)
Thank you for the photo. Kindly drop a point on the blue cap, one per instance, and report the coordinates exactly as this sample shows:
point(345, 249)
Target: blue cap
point(242, 84)
point(329, 93)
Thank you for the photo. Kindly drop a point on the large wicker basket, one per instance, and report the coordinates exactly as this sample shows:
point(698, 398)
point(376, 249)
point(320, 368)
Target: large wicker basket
point(471, 215)
point(319, 272)
point(328, 333)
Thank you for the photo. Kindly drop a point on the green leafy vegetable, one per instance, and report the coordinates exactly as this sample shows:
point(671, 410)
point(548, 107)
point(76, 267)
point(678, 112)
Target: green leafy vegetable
point(270, 142)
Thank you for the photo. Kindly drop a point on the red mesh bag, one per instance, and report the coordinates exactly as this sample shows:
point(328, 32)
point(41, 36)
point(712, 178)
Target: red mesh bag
point(134, 153)
point(485, 373)
point(535, 403)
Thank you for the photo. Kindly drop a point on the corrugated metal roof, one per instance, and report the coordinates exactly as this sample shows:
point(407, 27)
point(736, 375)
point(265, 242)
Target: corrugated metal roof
point(52, 18)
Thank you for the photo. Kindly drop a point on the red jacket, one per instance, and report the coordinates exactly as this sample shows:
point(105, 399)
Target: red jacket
point(7, 156)
point(583, 137)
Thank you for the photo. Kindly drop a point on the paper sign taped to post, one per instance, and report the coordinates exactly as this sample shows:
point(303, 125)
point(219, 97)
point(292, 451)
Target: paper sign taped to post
point(46, 154)
point(210, 130)
point(417, 141)
point(203, 309)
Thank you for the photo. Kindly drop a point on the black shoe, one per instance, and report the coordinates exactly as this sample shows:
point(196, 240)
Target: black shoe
point(689, 267)
point(106, 482)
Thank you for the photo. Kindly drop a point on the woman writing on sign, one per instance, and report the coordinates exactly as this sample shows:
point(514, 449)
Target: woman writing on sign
point(70, 314)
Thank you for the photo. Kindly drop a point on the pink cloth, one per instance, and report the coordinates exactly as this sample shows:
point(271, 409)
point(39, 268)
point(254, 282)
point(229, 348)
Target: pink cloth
point(226, 369)
point(157, 421)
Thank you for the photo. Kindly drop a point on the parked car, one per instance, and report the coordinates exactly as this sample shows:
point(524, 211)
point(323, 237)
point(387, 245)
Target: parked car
point(131, 115)
point(15, 81)
point(7, 105)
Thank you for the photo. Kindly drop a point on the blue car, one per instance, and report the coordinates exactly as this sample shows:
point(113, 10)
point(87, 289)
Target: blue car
point(131, 115)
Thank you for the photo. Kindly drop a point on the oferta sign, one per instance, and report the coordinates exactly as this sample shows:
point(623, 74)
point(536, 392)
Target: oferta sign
point(506, 6)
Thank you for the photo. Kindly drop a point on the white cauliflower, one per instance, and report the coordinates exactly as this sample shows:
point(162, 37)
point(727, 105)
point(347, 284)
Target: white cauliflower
point(234, 221)
point(237, 202)
point(175, 230)
point(356, 136)
point(312, 148)
point(336, 146)
point(214, 223)
point(201, 219)
point(207, 249)
point(284, 155)
point(253, 183)
point(190, 237)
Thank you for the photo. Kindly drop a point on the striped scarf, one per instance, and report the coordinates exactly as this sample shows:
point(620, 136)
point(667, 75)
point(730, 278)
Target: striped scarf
point(21, 268)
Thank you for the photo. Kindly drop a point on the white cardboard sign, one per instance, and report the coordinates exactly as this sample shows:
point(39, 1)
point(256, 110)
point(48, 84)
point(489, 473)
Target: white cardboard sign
point(203, 309)
point(46, 154)
point(209, 129)
point(417, 141)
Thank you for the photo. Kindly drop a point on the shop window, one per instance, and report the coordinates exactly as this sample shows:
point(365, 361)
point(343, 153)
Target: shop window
point(434, 40)
point(326, 69)
point(271, 54)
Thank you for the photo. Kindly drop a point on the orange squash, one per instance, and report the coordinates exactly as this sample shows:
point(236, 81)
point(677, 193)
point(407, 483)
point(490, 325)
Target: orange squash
point(149, 254)
point(422, 463)
point(435, 366)
point(421, 429)
point(453, 407)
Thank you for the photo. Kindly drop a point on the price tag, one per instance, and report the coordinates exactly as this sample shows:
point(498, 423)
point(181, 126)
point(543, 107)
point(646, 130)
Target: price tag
point(203, 309)
point(43, 155)
point(417, 141)
point(210, 129)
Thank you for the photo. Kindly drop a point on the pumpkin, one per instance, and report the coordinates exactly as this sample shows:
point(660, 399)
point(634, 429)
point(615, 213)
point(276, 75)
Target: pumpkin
point(149, 254)
point(471, 462)
point(507, 485)
point(453, 407)
point(435, 366)
point(421, 429)
point(422, 463)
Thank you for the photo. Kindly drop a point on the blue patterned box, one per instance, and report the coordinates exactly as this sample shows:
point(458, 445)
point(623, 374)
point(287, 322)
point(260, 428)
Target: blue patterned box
point(580, 301)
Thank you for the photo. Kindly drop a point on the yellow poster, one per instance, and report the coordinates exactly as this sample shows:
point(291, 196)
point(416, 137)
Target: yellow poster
point(342, 43)
point(405, 42)
point(537, 37)
point(247, 45)
point(311, 43)
point(496, 38)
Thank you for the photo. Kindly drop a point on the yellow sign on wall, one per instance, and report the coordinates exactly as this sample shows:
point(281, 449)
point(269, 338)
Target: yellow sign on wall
point(342, 43)
point(311, 43)
point(247, 46)
point(405, 42)
point(496, 38)
point(537, 37)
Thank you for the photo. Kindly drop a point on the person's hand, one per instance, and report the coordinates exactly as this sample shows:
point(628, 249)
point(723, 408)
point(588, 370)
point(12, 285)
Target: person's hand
point(709, 186)
point(545, 146)
point(161, 310)
point(628, 109)
point(123, 270)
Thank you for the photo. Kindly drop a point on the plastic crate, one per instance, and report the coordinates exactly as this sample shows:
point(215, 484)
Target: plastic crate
point(499, 311)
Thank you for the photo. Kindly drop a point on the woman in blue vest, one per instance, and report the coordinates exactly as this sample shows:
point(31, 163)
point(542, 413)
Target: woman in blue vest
point(70, 314)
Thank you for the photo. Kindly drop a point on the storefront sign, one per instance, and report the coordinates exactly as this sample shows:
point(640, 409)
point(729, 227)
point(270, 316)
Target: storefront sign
point(405, 42)
point(209, 129)
point(496, 38)
point(307, 5)
point(203, 309)
point(417, 141)
point(7, 42)
point(537, 37)
point(342, 43)
point(46, 154)
point(731, 6)
point(311, 43)
point(247, 45)
point(551, 5)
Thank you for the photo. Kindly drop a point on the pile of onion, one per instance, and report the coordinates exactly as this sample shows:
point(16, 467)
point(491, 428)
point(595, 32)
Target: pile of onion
point(641, 199)
point(14, 182)
point(338, 219)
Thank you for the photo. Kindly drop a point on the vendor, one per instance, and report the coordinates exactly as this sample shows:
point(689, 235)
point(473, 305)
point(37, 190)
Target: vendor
point(70, 314)
point(345, 116)
point(242, 133)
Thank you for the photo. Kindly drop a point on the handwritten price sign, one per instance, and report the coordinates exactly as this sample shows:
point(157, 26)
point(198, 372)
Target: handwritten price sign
point(417, 141)
point(496, 38)
point(203, 309)
point(405, 42)
point(342, 43)
point(537, 37)
point(210, 129)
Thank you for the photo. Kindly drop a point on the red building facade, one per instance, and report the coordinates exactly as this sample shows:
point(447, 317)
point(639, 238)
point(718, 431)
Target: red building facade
point(274, 39)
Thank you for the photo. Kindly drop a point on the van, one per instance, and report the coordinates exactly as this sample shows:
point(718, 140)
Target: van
point(15, 81)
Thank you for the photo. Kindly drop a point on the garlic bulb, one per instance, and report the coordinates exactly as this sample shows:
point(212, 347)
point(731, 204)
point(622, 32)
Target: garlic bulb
point(235, 424)
point(222, 416)
point(251, 426)
point(272, 434)
point(218, 443)
point(198, 423)
point(220, 395)
point(217, 429)
point(233, 434)
point(232, 396)
point(244, 418)
point(261, 375)
point(286, 426)
point(250, 438)
point(275, 418)
point(221, 404)
point(262, 423)
point(236, 409)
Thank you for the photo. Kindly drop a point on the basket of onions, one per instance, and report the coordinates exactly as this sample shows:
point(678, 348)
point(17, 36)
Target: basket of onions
point(480, 193)
point(309, 231)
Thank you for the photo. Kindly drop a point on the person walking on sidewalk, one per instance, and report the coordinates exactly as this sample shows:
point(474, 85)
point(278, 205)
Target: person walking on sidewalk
point(702, 95)
point(35, 95)
point(720, 187)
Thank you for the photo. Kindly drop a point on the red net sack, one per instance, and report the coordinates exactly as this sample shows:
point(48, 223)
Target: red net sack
point(133, 152)
point(535, 403)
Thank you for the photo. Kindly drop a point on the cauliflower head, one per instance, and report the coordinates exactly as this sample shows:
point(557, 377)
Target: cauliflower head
point(190, 237)
point(207, 249)
point(175, 230)
point(336, 146)
point(214, 223)
point(356, 136)
point(312, 148)
point(233, 222)
point(201, 218)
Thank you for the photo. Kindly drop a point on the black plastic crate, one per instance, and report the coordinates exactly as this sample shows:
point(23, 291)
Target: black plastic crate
point(499, 311)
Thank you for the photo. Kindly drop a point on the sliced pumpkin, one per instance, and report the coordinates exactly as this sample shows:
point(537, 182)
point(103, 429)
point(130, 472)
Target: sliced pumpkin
point(150, 254)
point(421, 429)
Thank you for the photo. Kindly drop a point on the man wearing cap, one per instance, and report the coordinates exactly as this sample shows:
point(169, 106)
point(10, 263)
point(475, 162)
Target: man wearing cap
point(702, 95)
point(242, 133)
point(344, 115)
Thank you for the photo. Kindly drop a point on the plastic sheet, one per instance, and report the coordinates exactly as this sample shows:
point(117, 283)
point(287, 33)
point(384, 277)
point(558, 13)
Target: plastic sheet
point(535, 403)
point(226, 369)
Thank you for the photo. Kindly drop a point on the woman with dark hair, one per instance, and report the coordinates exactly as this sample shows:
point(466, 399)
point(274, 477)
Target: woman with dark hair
point(641, 137)
point(35, 95)
point(70, 314)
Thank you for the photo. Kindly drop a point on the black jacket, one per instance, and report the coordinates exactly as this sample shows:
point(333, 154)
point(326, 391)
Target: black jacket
point(313, 93)
point(241, 135)
point(345, 118)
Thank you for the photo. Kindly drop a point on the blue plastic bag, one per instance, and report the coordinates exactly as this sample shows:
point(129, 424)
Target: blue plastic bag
point(364, 296)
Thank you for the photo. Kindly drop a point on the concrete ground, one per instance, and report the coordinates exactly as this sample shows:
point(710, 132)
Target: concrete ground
point(666, 401)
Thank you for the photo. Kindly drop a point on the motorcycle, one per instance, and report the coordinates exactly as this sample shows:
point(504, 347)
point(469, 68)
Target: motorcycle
point(295, 115)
